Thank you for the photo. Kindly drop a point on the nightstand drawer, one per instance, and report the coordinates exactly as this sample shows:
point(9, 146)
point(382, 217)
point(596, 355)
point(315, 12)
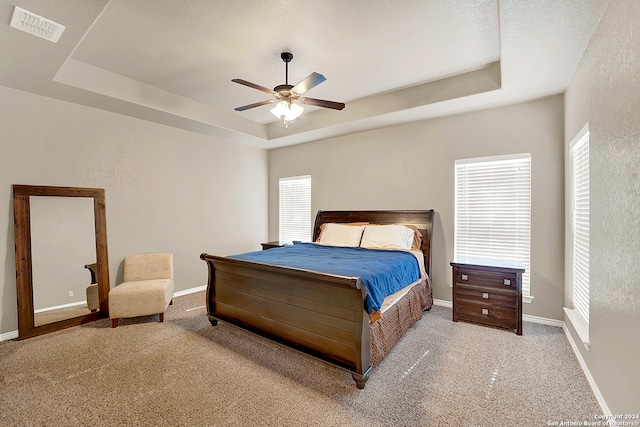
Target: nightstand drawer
point(498, 316)
point(498, 280)
point(489, 296)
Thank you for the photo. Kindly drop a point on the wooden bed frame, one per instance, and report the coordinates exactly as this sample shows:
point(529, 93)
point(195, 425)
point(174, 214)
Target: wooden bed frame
point(321, 315)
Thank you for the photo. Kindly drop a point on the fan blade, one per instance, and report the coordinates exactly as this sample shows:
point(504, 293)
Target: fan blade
point(253, 85)
point(322, 103)
point(257, 104)
point(312, 80)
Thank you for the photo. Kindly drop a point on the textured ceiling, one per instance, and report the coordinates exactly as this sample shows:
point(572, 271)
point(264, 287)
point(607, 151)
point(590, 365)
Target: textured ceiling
point(390, 62)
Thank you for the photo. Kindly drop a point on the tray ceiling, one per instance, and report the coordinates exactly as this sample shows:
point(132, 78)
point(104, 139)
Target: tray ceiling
point(390, 62)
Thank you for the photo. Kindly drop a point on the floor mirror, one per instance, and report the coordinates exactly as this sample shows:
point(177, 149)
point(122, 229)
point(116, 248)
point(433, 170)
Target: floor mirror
point(62, 266)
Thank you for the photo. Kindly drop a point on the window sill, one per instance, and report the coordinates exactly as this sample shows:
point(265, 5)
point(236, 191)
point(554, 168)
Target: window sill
point(581, 327)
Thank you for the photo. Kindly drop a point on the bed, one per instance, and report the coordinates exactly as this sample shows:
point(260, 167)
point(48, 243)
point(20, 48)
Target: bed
point(324, 315)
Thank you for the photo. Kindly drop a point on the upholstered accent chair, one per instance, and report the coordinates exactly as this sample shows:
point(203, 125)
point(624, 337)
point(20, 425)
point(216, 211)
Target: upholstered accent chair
point(147, 287)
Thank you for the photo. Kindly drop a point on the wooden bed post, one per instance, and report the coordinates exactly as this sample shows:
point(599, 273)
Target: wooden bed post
point(211, 289)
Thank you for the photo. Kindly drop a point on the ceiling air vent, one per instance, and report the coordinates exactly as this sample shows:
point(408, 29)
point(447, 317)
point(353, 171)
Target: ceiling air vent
point(37, 25)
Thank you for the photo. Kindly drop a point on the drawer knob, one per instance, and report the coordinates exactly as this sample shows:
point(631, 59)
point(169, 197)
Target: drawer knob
point(485, 311)
point(464, 277)
point(507, 282)
point(485, 295)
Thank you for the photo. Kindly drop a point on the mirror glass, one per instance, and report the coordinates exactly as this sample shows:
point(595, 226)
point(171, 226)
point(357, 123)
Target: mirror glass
point(62, 243)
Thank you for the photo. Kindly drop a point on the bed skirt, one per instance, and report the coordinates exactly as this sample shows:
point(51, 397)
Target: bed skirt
point(397, 320)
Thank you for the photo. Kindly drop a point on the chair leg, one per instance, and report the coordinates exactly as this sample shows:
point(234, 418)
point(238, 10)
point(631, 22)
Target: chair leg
point(114, 323)
point(161, 317)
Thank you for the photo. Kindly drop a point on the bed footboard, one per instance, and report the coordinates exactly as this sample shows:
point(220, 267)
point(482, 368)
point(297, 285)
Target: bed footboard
point(321, 315)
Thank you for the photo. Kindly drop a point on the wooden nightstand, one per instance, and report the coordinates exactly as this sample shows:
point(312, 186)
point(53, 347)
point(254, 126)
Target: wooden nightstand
point(269, 245)
point(488, 291)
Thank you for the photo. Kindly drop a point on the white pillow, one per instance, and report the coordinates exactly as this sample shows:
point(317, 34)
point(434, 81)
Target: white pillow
point(387, 237)
point(341, 235)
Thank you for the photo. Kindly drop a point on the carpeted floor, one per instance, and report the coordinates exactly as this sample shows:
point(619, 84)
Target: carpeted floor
point(184, 372)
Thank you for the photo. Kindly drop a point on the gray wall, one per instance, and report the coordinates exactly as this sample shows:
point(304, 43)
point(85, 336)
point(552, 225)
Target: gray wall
point(412, 167)
point(605, 92)
point(167, 190)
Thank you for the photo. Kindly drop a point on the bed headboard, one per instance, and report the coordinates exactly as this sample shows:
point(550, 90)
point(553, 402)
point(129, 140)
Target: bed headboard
point(421, 219)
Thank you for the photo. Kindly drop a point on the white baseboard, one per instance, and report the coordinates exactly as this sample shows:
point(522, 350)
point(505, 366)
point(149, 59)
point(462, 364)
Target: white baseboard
point(190, 291)
point(59, 307)
point(603, 404)
point(443, 303)
point(542, 320)
point(12, 335)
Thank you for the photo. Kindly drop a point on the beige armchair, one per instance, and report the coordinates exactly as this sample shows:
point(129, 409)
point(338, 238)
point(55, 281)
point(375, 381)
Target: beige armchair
point(147, 287)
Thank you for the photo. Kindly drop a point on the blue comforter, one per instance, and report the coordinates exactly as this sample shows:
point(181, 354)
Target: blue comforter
point(382, 271)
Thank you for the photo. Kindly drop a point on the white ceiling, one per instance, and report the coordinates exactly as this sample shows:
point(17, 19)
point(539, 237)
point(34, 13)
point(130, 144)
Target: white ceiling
point(391, 62)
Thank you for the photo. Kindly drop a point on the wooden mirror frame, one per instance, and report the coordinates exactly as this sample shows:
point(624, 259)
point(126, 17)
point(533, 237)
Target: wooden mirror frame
point(24, 272)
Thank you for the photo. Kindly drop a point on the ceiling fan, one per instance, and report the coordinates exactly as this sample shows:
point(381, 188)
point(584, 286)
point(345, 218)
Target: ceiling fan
point(288, 97)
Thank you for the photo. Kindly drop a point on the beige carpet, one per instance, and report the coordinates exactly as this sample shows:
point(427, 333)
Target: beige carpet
point(184, 372)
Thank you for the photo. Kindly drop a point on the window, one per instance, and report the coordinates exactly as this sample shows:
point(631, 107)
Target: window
point(295, 208)
point(578, 245)
point(493, 210)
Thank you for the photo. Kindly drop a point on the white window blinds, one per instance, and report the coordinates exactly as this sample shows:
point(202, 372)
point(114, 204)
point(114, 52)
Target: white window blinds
point(295, 208)
point(493, 210)
point(579, 154)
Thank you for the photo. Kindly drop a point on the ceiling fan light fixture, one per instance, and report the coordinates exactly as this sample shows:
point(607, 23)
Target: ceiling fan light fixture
point(288, 98)
point(287, 111)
